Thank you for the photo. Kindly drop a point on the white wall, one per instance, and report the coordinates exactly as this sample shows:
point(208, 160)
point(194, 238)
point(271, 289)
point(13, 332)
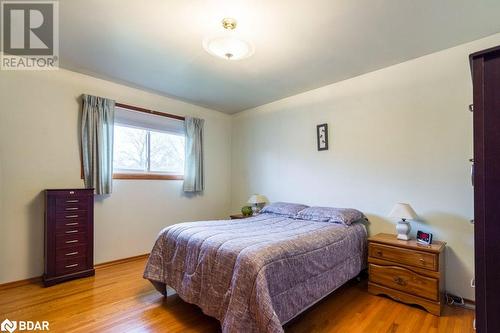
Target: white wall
point(39, 149)
point(400, 134)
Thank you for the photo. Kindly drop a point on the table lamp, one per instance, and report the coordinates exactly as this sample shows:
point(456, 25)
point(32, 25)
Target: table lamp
point(257, 201)
point(404, 212)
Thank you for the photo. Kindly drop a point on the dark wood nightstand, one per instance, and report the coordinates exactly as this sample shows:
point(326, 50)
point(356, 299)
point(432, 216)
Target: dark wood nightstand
point(238, 216)
point(406, 271)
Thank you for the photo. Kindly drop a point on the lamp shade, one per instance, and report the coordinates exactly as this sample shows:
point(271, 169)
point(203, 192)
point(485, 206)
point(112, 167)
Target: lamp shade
point(257, 199)
point(403, 211)
point(228, 45)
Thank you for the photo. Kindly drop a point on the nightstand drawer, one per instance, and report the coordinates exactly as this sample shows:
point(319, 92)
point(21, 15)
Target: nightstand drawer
point(403, 279)
point(404, 256)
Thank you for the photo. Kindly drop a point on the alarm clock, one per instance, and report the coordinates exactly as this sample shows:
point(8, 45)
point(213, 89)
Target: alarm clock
point(424, 238)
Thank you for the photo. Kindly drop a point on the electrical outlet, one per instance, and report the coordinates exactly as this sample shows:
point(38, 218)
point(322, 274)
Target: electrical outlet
point(454, 300)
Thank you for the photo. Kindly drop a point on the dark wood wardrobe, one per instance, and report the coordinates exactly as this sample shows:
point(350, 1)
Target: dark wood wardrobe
point(485, 67)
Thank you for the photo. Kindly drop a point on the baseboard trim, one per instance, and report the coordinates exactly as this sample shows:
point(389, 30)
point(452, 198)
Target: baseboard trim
point(20, 283)
point(38, 279)
point(469, 301)
point(120, 261)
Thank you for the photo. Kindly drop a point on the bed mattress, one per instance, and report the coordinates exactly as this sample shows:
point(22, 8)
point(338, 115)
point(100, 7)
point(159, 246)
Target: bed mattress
point(256, 274)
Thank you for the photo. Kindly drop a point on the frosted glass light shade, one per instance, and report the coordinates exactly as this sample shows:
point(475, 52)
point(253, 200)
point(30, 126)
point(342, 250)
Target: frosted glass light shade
point(228, 47)
point(403, 211)
point(257, 199)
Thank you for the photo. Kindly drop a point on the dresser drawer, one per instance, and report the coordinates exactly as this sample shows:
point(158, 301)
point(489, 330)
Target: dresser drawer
point(65, 205)
point(70, 215)
point(71, 265)
point(71, 207)
point(404, 256)
point(68, 224)
point(68, 200)
point(71, 230)
point(64, 241)
point(403, 279)
point(76, 251)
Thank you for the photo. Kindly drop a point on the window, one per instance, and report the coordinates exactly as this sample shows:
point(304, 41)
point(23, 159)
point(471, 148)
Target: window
point(146, 147)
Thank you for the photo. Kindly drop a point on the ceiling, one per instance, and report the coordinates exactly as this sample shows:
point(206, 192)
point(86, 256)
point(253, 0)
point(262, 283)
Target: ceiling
point(300, 45)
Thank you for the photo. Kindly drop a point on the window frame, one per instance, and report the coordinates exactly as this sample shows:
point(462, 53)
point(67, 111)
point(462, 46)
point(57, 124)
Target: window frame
point(142, 175)
point(148, 174)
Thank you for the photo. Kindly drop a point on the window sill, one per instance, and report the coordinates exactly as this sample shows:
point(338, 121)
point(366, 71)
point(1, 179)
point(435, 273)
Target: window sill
point(146, 176)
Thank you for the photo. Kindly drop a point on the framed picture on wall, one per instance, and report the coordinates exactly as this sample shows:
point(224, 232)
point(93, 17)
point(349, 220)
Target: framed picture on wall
point(322, 133)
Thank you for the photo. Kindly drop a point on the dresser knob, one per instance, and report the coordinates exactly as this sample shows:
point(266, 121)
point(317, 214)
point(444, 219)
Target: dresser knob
point(379, 253)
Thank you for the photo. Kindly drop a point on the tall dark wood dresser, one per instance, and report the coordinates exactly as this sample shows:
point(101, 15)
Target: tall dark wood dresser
point(69, 231)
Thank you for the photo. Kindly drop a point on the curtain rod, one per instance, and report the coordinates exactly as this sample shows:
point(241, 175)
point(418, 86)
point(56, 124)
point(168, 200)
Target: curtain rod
point(156, 113)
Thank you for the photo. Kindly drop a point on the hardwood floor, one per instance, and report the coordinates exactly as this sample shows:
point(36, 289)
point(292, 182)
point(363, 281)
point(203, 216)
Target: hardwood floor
point(117, 299)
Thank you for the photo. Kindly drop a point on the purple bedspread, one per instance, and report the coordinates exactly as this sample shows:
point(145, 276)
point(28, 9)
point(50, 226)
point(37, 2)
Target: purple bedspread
point(258, 273)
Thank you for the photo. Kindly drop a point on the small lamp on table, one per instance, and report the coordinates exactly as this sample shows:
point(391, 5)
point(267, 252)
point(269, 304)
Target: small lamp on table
point(404, 212)
point(257, 201)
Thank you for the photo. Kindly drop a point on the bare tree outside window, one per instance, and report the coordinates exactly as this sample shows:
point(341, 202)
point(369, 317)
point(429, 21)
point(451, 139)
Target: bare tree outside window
point(130, 149)
point(167, 152)
point(147, 151)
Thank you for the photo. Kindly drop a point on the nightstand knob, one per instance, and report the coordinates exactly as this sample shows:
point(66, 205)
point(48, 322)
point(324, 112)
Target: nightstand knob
point(379, 253)
point(399, 281)
point(422, 260)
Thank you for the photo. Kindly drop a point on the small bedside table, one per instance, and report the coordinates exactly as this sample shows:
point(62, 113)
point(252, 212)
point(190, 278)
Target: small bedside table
point(238, 216)
point(407, 272)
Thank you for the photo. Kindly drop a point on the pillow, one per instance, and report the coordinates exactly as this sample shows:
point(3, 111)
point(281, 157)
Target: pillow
point(283, 208)
point(329, 214)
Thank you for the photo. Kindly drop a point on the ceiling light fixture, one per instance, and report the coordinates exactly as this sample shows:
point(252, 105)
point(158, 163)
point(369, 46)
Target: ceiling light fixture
point(228, 46)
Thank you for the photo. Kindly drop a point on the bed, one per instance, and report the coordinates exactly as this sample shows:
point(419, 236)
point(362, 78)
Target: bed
point(258, 273)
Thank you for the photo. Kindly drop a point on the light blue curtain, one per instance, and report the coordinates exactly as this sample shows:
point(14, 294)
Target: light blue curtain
point(193, 170)
point(97, 143)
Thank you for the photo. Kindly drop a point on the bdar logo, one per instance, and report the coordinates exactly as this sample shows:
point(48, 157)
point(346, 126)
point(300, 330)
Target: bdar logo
point(8, 325)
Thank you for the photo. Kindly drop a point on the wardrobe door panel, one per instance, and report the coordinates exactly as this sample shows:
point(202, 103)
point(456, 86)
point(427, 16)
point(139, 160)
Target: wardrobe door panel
point(486, 80)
